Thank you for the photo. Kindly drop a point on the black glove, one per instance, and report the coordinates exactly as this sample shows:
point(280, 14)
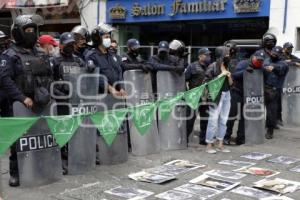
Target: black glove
point(179, 69)
point(146, 68)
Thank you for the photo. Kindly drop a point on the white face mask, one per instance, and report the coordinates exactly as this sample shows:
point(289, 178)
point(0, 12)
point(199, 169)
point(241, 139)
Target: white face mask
point(106, 42)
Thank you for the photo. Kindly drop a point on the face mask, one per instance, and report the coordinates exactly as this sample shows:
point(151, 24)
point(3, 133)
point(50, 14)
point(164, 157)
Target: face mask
point(135, 53)
point(270, 44)
point(113, 50)
point(106, 42)
point(289, 51)
point(68, 50)
point(29, 40)
point(257, 64)
point(162, 55)
point(207, 61)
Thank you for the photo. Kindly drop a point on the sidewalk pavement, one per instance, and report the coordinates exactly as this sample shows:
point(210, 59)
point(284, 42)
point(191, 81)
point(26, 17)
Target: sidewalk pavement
point(91, 185)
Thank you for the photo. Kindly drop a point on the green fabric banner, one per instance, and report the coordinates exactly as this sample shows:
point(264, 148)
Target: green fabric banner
point(64, 127)
point(11, 129)
point(165, 106)
point(192, 97)
point(215, 86)
point(108, 123)
point(142, 117)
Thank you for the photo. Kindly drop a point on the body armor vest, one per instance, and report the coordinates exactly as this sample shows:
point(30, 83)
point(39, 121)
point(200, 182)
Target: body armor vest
point(37, 73)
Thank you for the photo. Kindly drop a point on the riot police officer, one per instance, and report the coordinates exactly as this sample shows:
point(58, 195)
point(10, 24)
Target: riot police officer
point(131, 60)
point(82, 37)
point(22, 61)
point(163, 61)
point(108, 63)
point(194, 76)
point(65, 55)
point(60, 62)
point(237, 97)
point(177, 49)
point(4, 43)
point(275, 70)
point(288, 56)
point(269, 41)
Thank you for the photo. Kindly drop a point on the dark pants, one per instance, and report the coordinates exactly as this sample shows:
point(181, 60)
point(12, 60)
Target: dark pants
point(236, 114)
point(191, 114)
point(279, 113)
point(13, 161)
point(6, 111)
point(272, 110)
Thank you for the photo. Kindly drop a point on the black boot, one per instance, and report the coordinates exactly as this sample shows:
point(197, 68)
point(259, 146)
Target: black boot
point(269, 134)
point(14, 181)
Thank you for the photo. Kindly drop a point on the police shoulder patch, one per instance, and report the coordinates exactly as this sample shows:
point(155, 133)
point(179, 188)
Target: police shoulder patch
point(3, 63)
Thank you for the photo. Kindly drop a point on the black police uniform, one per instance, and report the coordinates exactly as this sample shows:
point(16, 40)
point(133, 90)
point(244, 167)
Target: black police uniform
point(18, 82)
point(109, 65)
point(273, 85)
point(164, 63)
point(131, 62)
point(56, 63)
point(237, 104)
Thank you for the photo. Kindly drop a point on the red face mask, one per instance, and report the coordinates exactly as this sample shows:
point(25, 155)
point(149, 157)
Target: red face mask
point(257, 64)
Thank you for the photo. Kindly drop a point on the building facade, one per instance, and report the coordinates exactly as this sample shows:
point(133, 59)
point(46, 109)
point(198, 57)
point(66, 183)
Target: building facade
point(196, 22)
point(284, 17)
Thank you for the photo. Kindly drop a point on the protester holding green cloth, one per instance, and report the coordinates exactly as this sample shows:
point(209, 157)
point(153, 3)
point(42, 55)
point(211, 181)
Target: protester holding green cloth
point(220, 107)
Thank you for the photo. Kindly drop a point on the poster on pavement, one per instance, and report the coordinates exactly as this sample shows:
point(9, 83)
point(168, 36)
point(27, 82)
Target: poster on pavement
point(285, 160)
point(150, 178)
point(256, 156)
point(296, 169)
point(175, 195)
point(236, 163)
point(257, 171)
point(129, 193)
point(225, 174)
point(215, 183)
point(252, 192)
point(185, 164)
point(277, 198)
point(278, 185)
point(198, 190)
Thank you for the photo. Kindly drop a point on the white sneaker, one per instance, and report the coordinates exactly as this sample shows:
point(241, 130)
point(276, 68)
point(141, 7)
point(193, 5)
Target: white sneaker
point(211, 151)
point(223, 150)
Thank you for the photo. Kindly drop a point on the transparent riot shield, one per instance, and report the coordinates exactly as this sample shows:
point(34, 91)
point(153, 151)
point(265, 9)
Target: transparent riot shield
point(172, 132)
point(139, 87)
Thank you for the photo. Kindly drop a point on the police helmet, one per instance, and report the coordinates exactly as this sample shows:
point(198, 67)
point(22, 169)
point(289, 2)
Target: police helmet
point(269, 38)
point(177, 47)
point(99, 31)
point(82, 31)
point(25, 21)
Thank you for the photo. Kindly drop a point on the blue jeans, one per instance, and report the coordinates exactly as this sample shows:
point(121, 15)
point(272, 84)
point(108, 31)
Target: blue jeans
point(218, 116)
